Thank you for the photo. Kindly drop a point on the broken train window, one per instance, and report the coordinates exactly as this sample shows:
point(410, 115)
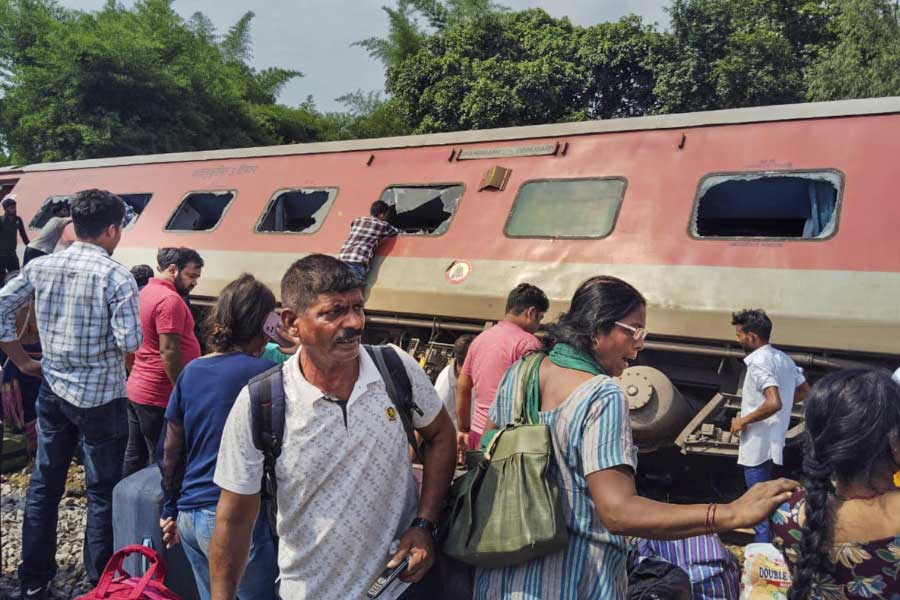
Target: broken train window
point(798, 205)
point(422, 210)
point(573, 208)
point(134, 206)
point(200, 211)
point(297, 210)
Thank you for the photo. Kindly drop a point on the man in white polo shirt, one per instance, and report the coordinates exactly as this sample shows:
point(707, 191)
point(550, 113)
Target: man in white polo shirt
point(345, 489)
point(772, 384)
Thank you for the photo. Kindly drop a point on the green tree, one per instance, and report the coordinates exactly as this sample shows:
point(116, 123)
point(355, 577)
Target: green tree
point(616, 61)
point(865, 61)
point(128, 81)
point(474, 64)
point(369, 115)
point(492, 70)
point(733, 53)
point(404, 38)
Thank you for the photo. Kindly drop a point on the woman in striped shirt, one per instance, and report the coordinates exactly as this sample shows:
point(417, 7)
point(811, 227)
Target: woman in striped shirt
point(595, 459)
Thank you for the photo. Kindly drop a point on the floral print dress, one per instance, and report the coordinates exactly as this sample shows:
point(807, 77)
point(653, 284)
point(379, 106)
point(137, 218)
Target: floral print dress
point(862, 570)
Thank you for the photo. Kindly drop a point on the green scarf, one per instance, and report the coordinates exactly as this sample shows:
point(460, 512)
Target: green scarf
point(570, 357)
point(562, 355)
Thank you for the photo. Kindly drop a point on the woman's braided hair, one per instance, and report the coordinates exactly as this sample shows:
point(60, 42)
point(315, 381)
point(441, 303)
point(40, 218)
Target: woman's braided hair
point(850, 416)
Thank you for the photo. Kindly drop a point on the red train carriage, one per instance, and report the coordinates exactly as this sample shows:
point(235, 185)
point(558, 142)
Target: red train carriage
point(791, 208)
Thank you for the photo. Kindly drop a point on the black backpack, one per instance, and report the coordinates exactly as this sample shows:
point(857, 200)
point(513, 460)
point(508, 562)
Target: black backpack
point(267, 415)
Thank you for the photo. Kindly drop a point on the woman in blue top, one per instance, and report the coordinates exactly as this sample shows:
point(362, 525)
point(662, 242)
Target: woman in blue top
point(199, 405)
point(595, 459)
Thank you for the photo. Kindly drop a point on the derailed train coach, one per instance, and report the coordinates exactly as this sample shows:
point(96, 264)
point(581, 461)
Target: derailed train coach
point(792, 209)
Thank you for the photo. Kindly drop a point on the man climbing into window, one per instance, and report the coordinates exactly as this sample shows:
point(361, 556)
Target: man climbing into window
point(366, 234)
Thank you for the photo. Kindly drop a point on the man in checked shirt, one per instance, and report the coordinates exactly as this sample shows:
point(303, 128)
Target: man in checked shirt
point(366, 234)
point(87, 318)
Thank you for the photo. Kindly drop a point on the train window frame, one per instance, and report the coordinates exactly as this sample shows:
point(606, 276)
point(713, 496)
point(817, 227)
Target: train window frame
point(702, 188)
point(69, 197)
point(44, 205)
point(613, 223)
point(430, 185)
point(149, 195)
point(333, 192)
point(234, 195)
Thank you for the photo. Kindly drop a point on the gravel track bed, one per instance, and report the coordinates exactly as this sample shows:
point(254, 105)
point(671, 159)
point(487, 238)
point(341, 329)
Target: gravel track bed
point(70, 580)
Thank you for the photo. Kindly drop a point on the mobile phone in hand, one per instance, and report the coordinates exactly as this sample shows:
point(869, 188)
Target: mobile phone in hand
point(387, 576)
point(270, 328)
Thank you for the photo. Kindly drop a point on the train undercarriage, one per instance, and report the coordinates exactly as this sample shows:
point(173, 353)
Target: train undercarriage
point(682, 394)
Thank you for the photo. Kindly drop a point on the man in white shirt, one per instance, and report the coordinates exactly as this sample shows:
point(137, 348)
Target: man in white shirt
point(772, 384)
point(446, 380)
point(345, 489)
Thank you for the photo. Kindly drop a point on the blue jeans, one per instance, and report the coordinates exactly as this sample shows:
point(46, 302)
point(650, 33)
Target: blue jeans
point(259, 581)
point(359, 269)
point(754, 475)
point(103, 432)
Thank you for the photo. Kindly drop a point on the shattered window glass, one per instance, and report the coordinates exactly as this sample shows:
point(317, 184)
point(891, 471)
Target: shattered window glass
point(200, 211)
point(297, 210)
point(423, 210)
point(576, 208)
point(799, 205)
point(46, 211)
point(134, 206)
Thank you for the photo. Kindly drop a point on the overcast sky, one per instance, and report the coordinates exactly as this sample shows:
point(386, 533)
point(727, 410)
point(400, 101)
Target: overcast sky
point(315, 36)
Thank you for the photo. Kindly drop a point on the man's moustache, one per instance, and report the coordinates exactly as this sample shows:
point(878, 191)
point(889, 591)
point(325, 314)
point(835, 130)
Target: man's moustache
point(346, 335)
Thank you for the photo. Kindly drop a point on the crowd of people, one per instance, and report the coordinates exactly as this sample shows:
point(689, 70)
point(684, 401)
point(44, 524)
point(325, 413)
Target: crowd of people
point(285, 460)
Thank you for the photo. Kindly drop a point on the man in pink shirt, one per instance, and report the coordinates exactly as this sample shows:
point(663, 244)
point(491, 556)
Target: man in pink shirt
point(491, 354)
point(169, 344)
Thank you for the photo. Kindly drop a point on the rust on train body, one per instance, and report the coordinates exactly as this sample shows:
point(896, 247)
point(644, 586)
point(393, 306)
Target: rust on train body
point(793, 209)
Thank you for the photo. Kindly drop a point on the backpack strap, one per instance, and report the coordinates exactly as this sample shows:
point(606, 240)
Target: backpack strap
point(399, 389)
point(267, 426)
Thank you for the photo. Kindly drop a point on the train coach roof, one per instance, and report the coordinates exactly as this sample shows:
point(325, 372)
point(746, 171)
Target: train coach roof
point(786, 112)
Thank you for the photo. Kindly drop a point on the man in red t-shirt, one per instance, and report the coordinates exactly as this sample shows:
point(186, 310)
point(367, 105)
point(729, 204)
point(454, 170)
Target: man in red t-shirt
point(169, 344)
point(491, 354)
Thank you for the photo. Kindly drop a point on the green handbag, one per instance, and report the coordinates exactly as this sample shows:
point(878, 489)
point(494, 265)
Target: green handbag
point(507, 510)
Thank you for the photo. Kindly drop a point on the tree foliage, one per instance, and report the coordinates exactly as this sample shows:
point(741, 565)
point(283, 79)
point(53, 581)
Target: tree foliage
point(865, 62)
point(487, 67)
point(135, 80)
point(476, 65)
point(122, 81)
point(732, 53)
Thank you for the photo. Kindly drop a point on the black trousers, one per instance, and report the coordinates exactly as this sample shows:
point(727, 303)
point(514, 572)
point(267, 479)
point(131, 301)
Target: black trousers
point(145, 423)
point(8, 264)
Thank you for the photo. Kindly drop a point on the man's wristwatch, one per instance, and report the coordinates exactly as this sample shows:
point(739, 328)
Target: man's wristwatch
point(425, 524)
